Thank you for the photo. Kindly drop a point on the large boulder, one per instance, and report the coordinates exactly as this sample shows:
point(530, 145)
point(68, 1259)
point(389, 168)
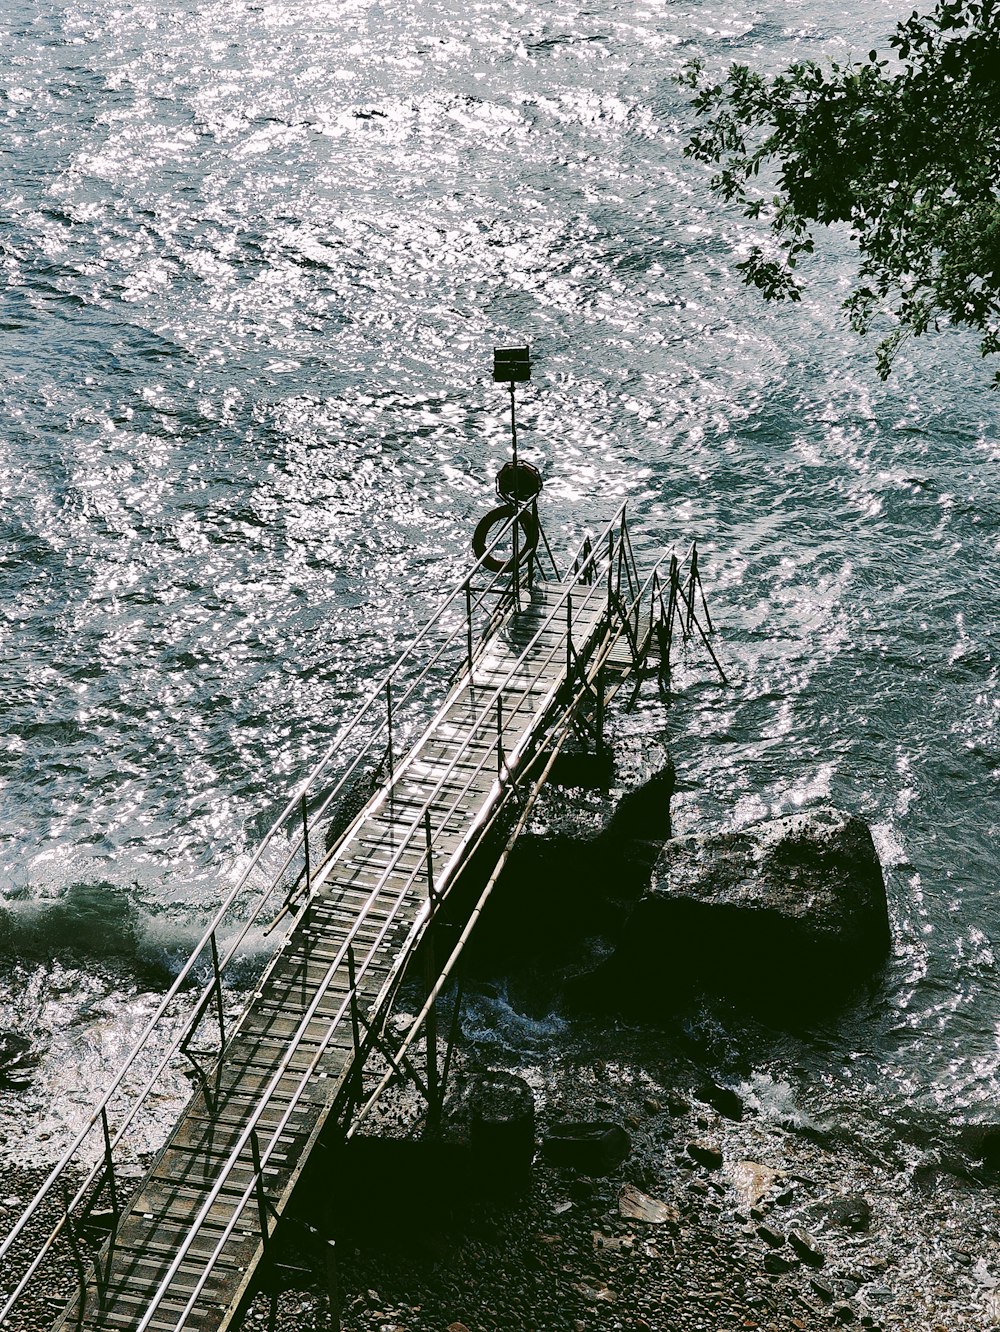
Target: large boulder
point(787, 916)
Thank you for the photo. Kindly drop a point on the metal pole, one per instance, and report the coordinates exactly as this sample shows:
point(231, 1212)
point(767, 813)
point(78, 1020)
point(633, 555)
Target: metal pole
point(513, 426)
point(109, 1163)
point(388, 712)
point(531, 553)
point(355, 1025)
point(305, 843)
point(218, 980)
point(704, 603)
point(430, 857)
point(611, 565)
point(74, 1248)
point(600, 711)
point(468, 625)
point(430, 1036)
point(692, 578)
point(569, 636)
point(456, 1014)
point(499, 737)
point(672, 598)
point(515, 575)
point(261, 1200)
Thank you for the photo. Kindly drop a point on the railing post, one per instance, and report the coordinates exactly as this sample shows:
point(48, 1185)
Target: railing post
point(516, 571)
point(388, 713)
point(357, 1072)
point(261, 1200)
point(109, 1166)
point(217, 972)
point(305, 843)
point(456, 1014)
point(499, 737)
point(74, 1248)
point(569, 635)
point(692, 579)
point(430, 857)
point(611, 566)
point(701, 590)
point(672, 598)
point(531, 552)
point(109, 1162)
point(599, 720)
point(468, 625)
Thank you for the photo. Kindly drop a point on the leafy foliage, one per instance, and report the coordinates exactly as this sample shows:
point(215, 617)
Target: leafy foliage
point(905, 151)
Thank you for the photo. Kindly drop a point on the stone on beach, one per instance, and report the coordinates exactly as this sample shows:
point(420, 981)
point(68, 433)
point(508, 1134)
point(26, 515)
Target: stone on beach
point(595, 1148)
point(639, 1206)
point(752, 1181)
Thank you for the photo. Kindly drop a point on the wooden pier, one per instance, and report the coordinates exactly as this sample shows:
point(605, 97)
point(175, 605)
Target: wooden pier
point(529, 660)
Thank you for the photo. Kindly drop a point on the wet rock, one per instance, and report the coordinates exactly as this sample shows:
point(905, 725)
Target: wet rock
point(778, 1265)
point(824, 1289)
point(980, 1141)
point(502, 1130)
point(723, 1099)
point(752, 1181)
point(789, 916)
point(851, 1212)
point(707, 1154)
point(638, 1206)
point(806, 1248)
point(18, 1061)
point(580, 866)
point(772, 1237)
point(878, 1295)
point(593, 1148)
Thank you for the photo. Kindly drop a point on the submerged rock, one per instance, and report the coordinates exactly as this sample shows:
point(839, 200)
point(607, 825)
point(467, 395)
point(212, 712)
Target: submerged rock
point(787, 915)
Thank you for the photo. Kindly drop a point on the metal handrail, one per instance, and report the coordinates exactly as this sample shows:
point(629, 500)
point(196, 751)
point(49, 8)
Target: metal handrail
point(332, 969)
point(98, 1115)
point(560, 728)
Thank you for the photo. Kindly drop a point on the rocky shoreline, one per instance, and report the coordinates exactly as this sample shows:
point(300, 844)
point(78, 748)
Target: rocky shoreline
point(763, 1223)
point(728, 1207)
point(723, 1216)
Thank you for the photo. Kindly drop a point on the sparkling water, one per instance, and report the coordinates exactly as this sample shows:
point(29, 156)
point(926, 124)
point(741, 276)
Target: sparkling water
point(255, 258)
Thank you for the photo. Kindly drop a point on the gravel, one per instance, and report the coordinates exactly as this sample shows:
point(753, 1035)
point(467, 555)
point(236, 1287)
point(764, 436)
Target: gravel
point(833, 1231)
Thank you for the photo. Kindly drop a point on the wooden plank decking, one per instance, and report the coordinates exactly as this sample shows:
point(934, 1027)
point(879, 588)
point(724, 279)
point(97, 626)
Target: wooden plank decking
point(189, 1241)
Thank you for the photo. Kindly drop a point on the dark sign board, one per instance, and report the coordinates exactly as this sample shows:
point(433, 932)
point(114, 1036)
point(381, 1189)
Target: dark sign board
point(511, 365)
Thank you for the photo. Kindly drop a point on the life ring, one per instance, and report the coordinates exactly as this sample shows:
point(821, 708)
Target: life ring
point(503, 514)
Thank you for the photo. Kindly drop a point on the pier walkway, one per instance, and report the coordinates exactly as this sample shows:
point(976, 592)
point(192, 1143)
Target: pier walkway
point(520, 662)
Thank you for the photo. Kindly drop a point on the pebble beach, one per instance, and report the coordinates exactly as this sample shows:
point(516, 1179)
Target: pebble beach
point(720, 1218)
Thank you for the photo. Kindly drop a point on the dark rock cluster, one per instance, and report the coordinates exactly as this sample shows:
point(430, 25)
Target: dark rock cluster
point(786, 916)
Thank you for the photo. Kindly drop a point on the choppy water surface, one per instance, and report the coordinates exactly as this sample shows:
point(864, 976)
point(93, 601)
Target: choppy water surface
point(255, 258)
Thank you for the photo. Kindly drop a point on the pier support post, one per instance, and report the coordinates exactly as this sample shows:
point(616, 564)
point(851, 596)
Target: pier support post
point(333, 1285)
point(599, 719)
point(357, 1072)
point(430, 1037)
